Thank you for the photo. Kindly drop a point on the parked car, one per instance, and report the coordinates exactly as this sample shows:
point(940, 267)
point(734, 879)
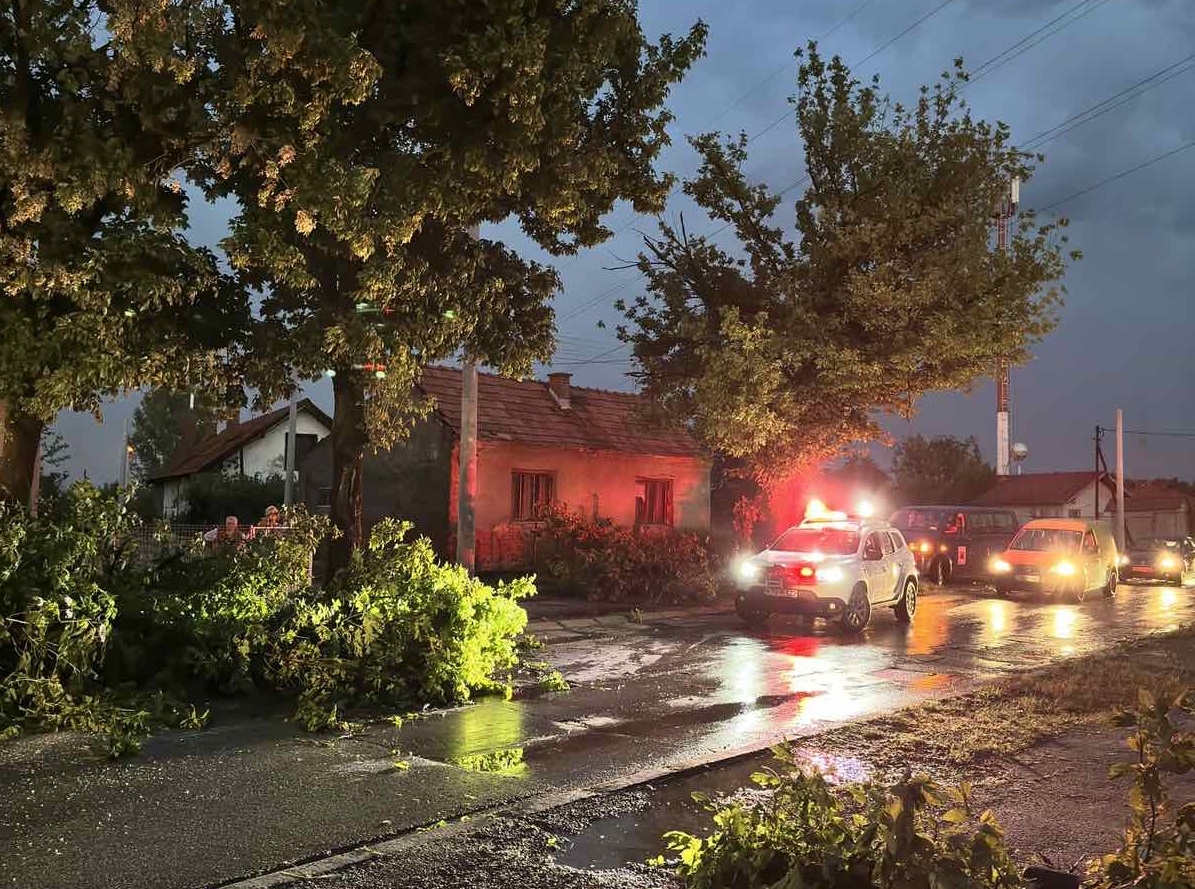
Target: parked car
point(1059, 557)
point(839, 569)
point(955, 542)
point(1169, 559)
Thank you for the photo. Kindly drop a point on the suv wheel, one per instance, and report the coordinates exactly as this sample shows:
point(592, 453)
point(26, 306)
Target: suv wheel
point(751, 616)
point(858, 611)
point(907, 606)
point(941, 571)
point(1110, 586)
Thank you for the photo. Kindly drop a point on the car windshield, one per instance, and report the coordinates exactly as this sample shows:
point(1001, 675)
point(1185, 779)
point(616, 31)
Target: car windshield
point(831, 541)
point(919, 519)
point(1045, 540)
point(1152, 543)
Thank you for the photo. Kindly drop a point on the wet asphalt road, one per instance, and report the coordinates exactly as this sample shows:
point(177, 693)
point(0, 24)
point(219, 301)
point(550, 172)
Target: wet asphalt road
point(252, 794)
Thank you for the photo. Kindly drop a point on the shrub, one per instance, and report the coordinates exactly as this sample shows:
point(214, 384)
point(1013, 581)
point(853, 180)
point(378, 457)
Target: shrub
point(1158, 849)
point(211, 496)
point(601, 560)
point(397, 627)
point(206, 617)
point(812, 834)
point(59, 577)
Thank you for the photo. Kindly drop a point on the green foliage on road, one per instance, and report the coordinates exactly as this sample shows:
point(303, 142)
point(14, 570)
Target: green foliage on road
point(598, 559)
point(789, 346)
point(96, 637)
point(397, 627)
point(811, 833)
point(942, 469)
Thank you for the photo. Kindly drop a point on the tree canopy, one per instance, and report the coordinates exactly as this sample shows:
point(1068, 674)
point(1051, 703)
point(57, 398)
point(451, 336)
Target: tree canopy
point(363, 140)
point(790, 346)
point(942, 469)
point(99, 290)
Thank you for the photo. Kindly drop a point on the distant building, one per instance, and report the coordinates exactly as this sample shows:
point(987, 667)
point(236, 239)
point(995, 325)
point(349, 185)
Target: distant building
point(539, 443)
point(1052, 495)
point(1154, 509)
point(255, 448)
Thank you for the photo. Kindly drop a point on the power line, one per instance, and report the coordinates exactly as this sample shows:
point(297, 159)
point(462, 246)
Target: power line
point(1120, 175)
point(1110, 104)
point(789, 113)
point(1022, 46)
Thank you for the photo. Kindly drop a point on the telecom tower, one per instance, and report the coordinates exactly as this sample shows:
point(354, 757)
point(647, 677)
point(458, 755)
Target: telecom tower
point(1005, 211)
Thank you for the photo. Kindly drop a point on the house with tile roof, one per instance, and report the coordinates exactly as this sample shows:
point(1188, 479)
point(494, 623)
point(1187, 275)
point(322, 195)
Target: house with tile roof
point(539, 443)
point(1036, 495)
point(255, 448)
point(1156, 509)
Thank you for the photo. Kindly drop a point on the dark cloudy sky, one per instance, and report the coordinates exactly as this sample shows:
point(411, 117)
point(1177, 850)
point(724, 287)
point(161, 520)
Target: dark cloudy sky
point(1126, 333)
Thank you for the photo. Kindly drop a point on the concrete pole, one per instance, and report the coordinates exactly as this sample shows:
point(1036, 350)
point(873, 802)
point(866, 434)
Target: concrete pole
point(124, 458)
point(466, 543)
point(1120, 517)
point(35, 485)
point(288, 496)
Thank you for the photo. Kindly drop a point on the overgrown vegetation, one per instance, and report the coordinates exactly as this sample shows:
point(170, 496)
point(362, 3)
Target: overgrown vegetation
point(809, 832)
point(95, 638)
point(598, 559)
point(210, 496)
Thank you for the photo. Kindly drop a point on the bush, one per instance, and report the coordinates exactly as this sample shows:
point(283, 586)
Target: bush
point(59, 578)
point(398, 627)
point(601, 560)
point(814, 835)
point(212, 496)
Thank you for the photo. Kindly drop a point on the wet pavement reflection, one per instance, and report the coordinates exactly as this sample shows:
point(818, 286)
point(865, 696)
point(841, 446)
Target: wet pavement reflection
point(648, 697)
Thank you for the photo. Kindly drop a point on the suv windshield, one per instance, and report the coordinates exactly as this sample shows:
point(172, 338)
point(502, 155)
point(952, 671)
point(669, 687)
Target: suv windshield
point(919, 519)
point(832, 541)
point(1044, 540)
point(1155, 543)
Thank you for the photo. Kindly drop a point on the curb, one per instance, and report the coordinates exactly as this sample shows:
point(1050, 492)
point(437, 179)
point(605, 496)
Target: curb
point(418, 835)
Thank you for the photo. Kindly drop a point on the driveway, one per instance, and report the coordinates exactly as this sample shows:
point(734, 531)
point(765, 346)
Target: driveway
point(649, 697)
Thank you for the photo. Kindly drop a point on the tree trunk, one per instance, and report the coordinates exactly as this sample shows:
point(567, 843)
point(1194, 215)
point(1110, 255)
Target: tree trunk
point(20, 435)
point(349, 437)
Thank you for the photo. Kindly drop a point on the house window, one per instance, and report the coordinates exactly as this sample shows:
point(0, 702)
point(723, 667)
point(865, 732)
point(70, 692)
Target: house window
point(530, 494)
point(653, 501)
point(1073, 513)
point(325, 499)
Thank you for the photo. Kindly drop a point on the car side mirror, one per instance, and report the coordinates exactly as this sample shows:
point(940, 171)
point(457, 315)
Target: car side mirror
point(871, 555)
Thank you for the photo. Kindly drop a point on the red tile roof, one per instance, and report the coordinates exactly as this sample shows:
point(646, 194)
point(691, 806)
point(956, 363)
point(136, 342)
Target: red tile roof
point(1036, 488)
point(526, 412)
point(1151, 497)
point(214, 449)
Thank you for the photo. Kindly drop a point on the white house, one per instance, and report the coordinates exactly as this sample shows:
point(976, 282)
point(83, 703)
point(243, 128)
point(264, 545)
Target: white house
point(255, 448)
point(1053, 495)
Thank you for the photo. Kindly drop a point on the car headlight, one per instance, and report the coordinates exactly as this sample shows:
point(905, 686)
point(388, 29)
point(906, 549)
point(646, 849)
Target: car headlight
point(1123, 560)
point(747, 571)
point(1066, 569)
point(829, 575)
point(1000, 566)
point(926, 547)
point(1168, 563)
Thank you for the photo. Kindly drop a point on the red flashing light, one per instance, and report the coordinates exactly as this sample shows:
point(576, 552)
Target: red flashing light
point(806, 571)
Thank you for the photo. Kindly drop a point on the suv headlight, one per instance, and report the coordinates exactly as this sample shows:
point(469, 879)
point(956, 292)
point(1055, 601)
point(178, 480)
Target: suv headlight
point(1000, 566)
point(747, 570)
point(1168, 563)
point(1066, 569)
point(832, 574)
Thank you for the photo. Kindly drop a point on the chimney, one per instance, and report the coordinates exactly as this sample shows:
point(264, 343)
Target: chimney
point(558, 385)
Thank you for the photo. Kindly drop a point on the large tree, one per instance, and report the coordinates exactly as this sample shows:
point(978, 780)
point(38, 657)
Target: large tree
point(362, 141)
point(99, 291)
point(789, 347)
point(942, 469)
point(162, 423)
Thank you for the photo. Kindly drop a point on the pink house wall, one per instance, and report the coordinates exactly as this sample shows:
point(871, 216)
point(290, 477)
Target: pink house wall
point(601, 483)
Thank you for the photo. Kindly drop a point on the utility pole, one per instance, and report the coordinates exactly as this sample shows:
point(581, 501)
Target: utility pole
point(1004, 213)
point(466, 550)
point(1120, 518)
point(1099, 434)
point(288, 495)
point(124, 457)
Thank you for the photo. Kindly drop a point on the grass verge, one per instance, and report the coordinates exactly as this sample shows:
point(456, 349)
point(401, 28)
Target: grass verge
point(1018, 712)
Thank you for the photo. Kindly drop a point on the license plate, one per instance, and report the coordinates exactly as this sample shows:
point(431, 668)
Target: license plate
point(1029, 578)
point(1142, 569)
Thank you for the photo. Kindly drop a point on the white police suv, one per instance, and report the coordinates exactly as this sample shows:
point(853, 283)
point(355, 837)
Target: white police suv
point(832, 566)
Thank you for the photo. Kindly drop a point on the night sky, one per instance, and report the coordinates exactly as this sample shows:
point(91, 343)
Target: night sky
point(1126, 329)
